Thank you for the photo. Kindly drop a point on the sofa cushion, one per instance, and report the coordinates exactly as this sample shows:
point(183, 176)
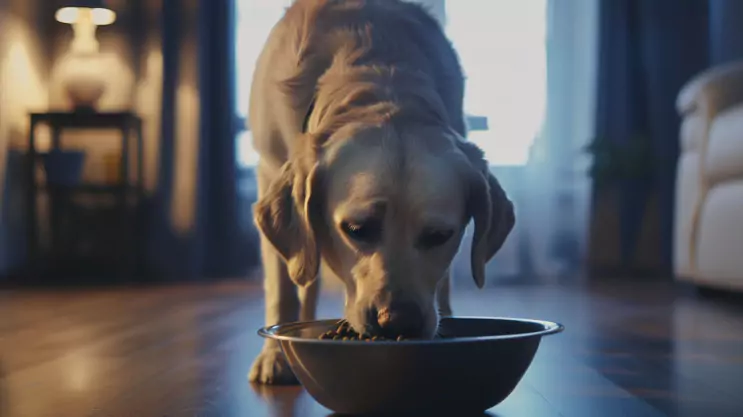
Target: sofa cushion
point(693, 128)
point(725, 149)
point(687, 195)
point(720, 237)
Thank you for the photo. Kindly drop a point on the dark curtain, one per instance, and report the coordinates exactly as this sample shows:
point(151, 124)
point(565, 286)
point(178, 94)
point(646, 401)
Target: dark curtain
point(216, 245)
point(223, 244)
point(647, 51)
point(726, 30)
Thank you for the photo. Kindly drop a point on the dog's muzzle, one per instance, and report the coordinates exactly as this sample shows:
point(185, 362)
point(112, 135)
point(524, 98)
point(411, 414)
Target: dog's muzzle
point(400, 318)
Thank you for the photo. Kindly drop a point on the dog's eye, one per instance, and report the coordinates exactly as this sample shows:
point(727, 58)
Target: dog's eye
point(366, 232)
point(433, 238)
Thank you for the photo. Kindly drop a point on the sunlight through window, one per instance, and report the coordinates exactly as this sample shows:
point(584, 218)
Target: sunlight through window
point(501, 44)
point(502, 47)
point(255, 19)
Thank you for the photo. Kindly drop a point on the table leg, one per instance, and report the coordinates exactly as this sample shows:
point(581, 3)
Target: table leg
point(139, 244)
point(31, 220)
point(125, 265)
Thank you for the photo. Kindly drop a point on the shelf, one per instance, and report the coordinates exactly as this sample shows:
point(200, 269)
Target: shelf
point(88, 188)
point(85, 119)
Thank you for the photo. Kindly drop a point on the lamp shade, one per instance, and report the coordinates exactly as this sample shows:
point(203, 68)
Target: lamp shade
point(71, 10)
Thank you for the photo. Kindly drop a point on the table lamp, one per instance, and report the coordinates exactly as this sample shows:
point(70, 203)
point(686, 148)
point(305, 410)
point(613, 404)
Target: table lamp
point(84, 79)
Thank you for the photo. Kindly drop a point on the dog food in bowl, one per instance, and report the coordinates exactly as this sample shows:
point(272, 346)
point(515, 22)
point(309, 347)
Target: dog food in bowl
point(344, 332)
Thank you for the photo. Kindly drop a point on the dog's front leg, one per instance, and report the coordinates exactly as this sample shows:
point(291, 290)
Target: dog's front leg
point(282, 305)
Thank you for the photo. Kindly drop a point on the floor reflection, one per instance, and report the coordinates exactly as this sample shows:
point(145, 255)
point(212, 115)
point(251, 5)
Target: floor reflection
point(185, 351)
point(437, 415)
point(281, 401)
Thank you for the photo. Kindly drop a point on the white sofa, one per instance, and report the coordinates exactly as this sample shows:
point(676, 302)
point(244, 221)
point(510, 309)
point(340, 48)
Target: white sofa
point(708, 246)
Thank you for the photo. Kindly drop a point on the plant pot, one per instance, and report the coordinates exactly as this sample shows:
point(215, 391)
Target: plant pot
point(632, 207)
point(63, 167)
point(623, 234)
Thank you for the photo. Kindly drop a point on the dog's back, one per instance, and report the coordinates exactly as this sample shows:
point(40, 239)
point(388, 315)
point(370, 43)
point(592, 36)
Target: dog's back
point(391, 32)
point(316, 37)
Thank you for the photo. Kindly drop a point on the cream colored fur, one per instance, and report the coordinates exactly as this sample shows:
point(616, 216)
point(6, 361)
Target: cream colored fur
point(384, 147)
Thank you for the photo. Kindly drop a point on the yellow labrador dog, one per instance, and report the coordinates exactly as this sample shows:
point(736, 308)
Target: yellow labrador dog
point(356, 112)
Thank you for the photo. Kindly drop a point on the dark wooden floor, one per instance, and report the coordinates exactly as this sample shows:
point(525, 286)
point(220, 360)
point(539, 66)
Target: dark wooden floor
point(632, 350)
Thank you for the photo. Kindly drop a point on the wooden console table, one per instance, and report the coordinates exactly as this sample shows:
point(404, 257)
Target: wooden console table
point(127, 194)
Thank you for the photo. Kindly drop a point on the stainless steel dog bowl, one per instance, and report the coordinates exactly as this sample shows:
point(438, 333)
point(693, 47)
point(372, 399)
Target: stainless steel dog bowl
point(474, 366)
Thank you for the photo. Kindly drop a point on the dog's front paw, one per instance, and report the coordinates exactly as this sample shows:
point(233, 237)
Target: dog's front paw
point(270, 367)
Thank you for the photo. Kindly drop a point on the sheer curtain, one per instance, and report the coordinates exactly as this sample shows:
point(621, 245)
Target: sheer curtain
point(530, 69)
point(562, 189)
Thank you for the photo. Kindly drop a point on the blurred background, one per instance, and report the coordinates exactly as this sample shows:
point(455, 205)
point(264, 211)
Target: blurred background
point(574, 103)
point(127, 245)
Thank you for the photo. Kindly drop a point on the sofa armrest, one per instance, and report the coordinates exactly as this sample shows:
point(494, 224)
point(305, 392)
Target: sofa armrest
point(715, 89)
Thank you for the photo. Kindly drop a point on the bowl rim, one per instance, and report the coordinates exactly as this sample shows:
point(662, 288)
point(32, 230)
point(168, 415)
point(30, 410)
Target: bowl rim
point(549, 328)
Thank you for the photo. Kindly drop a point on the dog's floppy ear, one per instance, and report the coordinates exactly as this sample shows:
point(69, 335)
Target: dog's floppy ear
point(286, 214)
point(491, 210)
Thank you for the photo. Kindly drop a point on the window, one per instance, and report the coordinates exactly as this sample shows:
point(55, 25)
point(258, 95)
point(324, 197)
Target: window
point(502, 48)
point(255, 19)
point(501, 44)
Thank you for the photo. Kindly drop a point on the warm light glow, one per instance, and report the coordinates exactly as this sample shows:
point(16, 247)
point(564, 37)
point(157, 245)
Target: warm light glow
point(84, 21)
point(103, 17)
point(98, 16)
point(67, 15)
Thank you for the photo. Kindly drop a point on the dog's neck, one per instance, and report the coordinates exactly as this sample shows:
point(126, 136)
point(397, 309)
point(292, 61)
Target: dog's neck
point(372, 95)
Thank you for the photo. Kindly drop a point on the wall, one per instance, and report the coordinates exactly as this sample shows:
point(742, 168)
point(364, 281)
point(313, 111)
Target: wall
point(24, 74)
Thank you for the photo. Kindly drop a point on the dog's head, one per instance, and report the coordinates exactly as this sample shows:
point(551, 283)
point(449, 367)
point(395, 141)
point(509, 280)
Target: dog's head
point(386, 211)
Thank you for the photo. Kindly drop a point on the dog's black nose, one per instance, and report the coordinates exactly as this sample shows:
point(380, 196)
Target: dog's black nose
point(402, 318)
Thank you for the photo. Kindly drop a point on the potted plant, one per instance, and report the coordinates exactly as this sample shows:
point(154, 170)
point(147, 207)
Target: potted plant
point(623, 173)
point(615, 162)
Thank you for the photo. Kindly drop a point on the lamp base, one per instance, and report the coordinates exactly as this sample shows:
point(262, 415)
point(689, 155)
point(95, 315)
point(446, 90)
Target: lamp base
point(84, 80)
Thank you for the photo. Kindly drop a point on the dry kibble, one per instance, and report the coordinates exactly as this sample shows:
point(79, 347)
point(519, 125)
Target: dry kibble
point(344, 332)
